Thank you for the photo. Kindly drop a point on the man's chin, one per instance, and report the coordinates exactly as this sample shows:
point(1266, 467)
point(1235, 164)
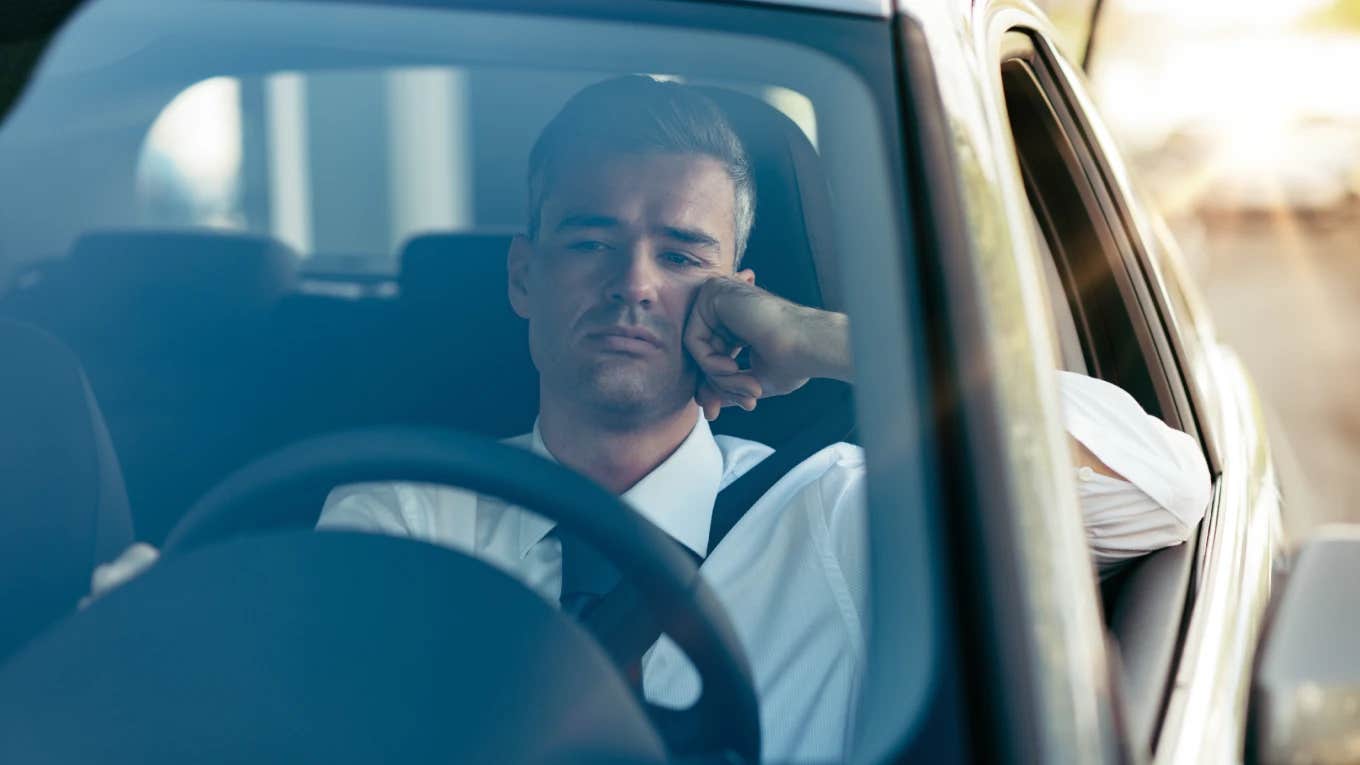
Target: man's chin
point(637, 396)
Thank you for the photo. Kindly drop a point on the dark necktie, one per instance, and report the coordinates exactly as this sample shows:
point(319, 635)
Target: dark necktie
point(587, 577)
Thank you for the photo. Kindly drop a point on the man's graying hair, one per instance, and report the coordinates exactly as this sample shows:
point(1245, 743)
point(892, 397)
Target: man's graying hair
point(639, 115)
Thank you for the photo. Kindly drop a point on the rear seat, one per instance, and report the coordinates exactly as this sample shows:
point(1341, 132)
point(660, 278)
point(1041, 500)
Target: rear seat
point(329, 356)
point(448, 352)
point(463, 353)
point(170, 326)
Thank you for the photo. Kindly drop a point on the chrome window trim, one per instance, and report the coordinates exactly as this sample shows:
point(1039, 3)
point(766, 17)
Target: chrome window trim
point(1206, 715)
point(879, 9)
point(1141, 231)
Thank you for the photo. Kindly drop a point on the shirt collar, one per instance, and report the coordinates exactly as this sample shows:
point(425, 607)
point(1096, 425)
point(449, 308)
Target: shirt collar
point(677, 495)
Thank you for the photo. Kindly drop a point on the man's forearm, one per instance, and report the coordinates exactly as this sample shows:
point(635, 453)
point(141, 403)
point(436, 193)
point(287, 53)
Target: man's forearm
point(825, 339)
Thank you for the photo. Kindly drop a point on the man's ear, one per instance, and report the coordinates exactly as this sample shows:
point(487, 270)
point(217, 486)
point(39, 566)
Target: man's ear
point(517, 269)
point(746, 275)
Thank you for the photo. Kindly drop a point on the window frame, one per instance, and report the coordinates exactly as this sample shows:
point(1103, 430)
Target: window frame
point(1163, 578)
point(1025, 47)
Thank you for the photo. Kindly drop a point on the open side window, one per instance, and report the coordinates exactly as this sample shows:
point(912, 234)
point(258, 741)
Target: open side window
point(1101, 298)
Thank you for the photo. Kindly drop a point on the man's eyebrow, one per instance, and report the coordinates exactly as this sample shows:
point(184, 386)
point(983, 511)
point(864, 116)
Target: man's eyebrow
point(587, 221)
point(691, 236)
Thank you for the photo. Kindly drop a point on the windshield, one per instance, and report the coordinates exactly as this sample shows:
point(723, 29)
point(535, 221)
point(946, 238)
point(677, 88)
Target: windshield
point(259, 221)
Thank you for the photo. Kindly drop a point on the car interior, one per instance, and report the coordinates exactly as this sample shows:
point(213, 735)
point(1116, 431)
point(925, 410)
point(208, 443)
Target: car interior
point(204, 349)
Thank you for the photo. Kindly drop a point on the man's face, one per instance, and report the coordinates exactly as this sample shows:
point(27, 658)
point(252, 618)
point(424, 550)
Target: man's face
point(623, 244)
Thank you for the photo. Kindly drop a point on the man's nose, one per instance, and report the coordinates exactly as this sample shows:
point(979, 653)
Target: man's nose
point(635, 278)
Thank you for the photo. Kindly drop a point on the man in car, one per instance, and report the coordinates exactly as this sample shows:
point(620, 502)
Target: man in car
point(641, 202)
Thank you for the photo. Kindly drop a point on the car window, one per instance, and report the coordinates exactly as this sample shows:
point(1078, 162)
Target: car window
point(256, 222)
point(1070, 354)
point(1073, 224)
point(1114, 306)
point(289, 154)
point(1121, 336)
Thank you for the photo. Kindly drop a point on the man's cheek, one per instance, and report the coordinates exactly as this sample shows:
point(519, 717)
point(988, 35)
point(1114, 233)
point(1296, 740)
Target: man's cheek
point(688, 365)
point(686, 312)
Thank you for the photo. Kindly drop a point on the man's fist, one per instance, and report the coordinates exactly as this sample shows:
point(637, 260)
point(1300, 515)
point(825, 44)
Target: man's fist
point(787, 344)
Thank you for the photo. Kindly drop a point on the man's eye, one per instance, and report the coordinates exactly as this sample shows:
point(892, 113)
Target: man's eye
point(588, 246)
point(679, 259)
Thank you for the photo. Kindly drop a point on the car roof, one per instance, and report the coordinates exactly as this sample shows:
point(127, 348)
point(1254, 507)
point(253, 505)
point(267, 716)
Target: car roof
point(1079, 17)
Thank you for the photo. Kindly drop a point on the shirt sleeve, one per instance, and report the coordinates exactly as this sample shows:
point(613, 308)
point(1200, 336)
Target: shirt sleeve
point(1167, 487)
point(846, 507)
point(374, 508)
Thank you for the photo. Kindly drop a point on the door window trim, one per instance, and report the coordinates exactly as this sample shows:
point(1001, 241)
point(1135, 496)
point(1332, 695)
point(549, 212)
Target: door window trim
point(1025, 47)
point(1166, 574)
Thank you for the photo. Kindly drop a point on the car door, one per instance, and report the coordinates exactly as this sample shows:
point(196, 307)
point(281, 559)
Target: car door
point(1037, 677)
point(1183, 619)
point(1099, 298)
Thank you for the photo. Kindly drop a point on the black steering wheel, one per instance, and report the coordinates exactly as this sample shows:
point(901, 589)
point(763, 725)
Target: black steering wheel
point(257, 497)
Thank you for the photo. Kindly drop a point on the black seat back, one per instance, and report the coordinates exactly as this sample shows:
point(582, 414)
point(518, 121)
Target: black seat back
point(465, 353)
point(170, 327)
point(791, 250)
point(63, 508)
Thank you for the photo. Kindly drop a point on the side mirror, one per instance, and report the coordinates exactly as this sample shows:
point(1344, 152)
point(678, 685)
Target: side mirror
point(1305, 701)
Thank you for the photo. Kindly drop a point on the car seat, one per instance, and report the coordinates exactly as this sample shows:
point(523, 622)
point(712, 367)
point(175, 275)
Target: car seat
point(65, 509)
point(170, 327)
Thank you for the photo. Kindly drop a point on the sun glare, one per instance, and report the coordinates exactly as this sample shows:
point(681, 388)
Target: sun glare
point(1241, 117)
point(190, 165)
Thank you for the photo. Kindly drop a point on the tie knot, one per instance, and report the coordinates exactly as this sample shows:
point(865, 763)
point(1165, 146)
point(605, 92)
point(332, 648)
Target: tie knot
point(586, 575)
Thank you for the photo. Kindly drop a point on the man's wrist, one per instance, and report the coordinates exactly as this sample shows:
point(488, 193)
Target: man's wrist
point(826, 344)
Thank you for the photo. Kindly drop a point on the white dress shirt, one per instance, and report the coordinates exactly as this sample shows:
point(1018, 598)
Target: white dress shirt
point(1167, 487)
point(792, 573)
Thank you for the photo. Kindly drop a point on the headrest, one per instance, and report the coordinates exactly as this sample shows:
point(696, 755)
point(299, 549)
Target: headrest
point(791, 249)
point(63, 506)
point(469, 346)
point(791, 244)
point(178, 282)
point(436, 267)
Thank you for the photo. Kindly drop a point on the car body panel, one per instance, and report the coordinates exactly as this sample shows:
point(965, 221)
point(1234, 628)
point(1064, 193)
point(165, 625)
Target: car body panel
point(1055, 641)
point(1207, 712)
point(1205, 717)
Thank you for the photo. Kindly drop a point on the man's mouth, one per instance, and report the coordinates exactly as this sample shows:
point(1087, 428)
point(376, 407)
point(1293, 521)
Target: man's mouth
point(625, 339)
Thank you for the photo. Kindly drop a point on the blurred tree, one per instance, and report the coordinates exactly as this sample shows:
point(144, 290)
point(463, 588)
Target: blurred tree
point(1339, 15)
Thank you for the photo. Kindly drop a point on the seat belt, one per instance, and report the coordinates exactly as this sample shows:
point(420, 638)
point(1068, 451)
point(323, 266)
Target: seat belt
point(623, 622)
point(731, 504)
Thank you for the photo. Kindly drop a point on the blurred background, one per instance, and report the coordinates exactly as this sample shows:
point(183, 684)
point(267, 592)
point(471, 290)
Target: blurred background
point(1241, 118)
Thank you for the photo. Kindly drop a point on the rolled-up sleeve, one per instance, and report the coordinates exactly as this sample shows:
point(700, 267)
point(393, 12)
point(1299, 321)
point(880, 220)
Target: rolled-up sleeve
point(1167, 488)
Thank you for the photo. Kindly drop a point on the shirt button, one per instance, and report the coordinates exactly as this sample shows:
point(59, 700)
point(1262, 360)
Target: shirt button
point(1086, 473)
